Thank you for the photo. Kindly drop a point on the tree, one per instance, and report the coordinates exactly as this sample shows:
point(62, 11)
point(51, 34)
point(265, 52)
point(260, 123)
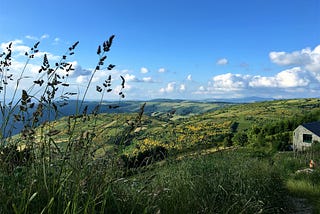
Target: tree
point(227, 142)
point(240, 139)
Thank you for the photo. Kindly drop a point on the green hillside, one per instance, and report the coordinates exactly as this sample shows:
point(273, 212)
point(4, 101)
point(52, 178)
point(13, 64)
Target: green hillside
point(163, 162)
point(265, 124)
point(206, 128)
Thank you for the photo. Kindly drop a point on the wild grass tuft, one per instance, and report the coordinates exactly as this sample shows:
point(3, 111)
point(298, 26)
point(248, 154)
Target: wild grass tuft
point(52, 176)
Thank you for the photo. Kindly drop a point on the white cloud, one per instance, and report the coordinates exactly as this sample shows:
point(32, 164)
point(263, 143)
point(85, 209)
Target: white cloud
point(147, 79)
point(285, 83)
point(51, 57)
point(259, 81)
point(44, 36)
point(130, 77)
point(182, 87)
point(202, 88)
point(100, 76)
point(229, 81)
point(119, 88)
point(306, 58)
point(222, 61)
point(314, 65)
point(78, 70)
point(20, 49)
point(170, 88)
point(17, 46)
point(133, 78)
point(295, 58)
point(82, 79)
point(294, 77)
point(162, 70)
point(189, 77)
point(303, 77)
point(78, 79)
point(31, 37)
point(144, 70)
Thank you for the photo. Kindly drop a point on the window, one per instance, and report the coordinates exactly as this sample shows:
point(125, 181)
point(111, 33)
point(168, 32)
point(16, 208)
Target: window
point(307, 138)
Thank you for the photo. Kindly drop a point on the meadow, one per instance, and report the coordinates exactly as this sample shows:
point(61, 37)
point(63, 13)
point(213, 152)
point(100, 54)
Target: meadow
point(166, 157)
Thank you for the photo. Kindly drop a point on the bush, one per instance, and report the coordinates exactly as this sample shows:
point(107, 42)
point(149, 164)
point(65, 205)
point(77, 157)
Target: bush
point(144, 158)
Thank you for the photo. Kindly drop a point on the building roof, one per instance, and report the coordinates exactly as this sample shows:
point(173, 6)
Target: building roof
point(313, 127)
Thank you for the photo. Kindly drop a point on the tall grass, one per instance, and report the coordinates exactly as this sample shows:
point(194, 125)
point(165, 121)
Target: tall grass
point(230, 182)
point(45, 176)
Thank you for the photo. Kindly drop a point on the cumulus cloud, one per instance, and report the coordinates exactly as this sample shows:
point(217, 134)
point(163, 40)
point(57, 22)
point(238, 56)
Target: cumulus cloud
point(78, 78)
point(171, 86)
point(294, 77)
point(314, 64)
point(130, 77)
point(295, 58)
point(222, 61)
point(133, 78)
point(144, 70)
point(289, 82)
point(17, 47)
point(306, 58)
point(82, 79)
point(50, 56)
point(78, 70)
point(31, 37)
point(162, 70)
point(147, 79)
point(202, 88)
point(259, 81)
point(119, 88)
point(230, 81)
point(182, 87)
point(44, 36)
point(300, 79)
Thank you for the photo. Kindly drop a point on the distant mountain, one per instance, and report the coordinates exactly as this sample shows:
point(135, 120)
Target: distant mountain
point(241, 100)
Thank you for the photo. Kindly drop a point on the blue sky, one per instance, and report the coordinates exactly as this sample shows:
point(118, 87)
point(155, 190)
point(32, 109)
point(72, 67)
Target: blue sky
point(179, 48)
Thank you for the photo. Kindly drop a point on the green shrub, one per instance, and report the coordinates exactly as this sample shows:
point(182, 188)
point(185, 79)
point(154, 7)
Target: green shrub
point(144, 158)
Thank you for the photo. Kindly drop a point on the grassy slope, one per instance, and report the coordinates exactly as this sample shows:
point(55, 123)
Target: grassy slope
point(245, 114)
point(176, 133)
point(232, 177)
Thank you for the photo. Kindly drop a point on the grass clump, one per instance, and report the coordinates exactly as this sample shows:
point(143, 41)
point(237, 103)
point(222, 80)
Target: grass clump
point(227, 182)
point(52, 176)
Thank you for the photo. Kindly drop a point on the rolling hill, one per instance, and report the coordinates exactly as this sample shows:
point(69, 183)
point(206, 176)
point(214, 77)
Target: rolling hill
point(191, 125)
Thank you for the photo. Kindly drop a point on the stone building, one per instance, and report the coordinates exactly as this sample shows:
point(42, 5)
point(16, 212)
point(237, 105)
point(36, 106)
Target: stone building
point(306, 134)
